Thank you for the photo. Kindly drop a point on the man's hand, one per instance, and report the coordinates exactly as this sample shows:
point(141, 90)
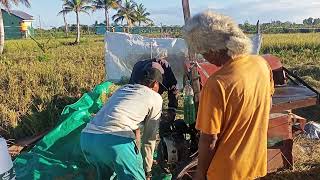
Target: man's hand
point(171, 113)
point(148, 175)
point(207, 143)
point(168, 115)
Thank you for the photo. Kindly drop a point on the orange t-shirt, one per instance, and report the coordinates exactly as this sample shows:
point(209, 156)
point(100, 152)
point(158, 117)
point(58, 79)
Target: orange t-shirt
point(235, 104)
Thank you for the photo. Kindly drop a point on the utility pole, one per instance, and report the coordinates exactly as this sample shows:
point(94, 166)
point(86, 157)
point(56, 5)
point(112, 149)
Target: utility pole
point(40, 29)
point(194, 75)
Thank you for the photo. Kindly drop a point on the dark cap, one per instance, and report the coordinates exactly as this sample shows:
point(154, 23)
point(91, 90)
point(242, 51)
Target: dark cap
point(153, 72)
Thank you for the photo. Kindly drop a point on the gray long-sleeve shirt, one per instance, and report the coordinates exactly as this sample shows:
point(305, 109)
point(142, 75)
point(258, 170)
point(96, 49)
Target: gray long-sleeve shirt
point(129, 108)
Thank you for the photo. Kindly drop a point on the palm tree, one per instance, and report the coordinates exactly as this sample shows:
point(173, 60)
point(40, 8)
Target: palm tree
point(142, 15)
point(106, 5)
point(126, 12)
point(7, 5)
point(66, 29)
point(77, 6)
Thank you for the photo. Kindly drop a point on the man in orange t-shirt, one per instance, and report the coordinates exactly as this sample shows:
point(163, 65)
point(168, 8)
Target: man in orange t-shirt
point(235, 102)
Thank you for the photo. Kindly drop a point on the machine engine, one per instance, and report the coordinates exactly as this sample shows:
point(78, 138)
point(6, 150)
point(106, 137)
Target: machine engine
point(177, 143)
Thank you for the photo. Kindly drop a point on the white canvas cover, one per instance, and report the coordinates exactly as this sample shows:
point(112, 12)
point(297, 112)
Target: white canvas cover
point(256, 43)
point(123, 50)
point(5, 161)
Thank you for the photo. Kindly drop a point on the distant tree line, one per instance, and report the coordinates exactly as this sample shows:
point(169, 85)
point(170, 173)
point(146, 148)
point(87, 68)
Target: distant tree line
point(308, 25)
point(311, 22)
point(274, 27)
point(73, 28)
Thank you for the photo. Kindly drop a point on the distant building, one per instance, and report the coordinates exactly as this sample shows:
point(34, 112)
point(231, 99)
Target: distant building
point(17, 24)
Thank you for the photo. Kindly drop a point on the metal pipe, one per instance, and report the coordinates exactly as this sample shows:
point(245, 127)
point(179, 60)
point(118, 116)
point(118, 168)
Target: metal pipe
point(303, 83)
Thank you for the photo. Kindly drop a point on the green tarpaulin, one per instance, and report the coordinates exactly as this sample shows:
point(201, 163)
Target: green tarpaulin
point(58, 154)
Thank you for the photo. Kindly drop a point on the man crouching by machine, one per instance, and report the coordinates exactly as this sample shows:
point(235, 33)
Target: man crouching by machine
point(169, 83)
point(110, 141)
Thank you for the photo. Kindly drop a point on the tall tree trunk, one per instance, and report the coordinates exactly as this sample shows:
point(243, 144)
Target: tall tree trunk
point(65, 25)
point(78, 28)
point(106, 14)
point(129, 23)
point(1, 33)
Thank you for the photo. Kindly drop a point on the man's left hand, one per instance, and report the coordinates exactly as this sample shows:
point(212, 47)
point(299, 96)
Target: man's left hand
point(148, 175)
point(171, 114)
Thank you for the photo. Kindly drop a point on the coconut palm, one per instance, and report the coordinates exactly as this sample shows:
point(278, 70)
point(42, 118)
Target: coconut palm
point(77, 6)
point(127, 12)
point(66, 29)
point(7, 5)
point(106, 5)
point(142, 15)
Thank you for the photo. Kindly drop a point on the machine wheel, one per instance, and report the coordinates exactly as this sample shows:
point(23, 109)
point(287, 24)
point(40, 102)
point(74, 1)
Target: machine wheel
point(187, 170)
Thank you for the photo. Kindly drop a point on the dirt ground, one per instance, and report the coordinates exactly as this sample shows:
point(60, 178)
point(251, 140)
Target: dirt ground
point(307, 161)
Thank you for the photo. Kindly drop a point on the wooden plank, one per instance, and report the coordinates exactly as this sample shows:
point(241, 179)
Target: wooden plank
point(16, 148)
point(280, 143)
point(294, 105)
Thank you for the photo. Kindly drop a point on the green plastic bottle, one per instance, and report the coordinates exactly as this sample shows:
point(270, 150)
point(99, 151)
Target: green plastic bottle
point(189, 107)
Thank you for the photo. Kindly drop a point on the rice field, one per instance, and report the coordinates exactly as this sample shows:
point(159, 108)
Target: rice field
point(296, 50)
point(35, 86)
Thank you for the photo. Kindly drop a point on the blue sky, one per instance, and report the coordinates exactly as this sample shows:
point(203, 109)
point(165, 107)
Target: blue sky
point(169, 12)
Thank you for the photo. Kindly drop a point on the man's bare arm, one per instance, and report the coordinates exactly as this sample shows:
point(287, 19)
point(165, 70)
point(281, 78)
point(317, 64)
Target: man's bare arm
point(138, 138)
point(207, 145)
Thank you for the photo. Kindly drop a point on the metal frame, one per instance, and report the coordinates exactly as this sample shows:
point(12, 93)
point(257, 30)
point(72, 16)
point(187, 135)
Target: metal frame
point(302, 82)
point(310, 101)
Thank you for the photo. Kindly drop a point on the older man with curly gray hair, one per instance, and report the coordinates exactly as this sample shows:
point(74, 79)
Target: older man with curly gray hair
point(234, 103)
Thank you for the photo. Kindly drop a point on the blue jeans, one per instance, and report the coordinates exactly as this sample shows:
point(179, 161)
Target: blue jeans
point(110, 153)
